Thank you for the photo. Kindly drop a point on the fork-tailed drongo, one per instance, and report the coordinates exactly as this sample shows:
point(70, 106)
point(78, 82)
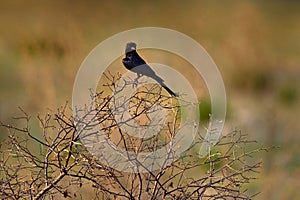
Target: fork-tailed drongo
point(135, 63)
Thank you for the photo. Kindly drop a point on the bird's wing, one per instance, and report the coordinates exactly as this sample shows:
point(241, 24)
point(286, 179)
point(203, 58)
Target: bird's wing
point(146, 70)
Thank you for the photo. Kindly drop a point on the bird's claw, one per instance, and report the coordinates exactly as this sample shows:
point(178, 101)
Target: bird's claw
point(135, 82)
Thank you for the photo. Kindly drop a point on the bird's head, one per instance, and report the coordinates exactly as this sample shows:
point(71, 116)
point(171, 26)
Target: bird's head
point(130, 46)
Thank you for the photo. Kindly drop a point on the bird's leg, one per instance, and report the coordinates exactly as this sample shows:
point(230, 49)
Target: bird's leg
point(136, 80)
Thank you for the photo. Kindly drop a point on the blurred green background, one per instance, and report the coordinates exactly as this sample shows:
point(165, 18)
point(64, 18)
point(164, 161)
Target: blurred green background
point(256, 45)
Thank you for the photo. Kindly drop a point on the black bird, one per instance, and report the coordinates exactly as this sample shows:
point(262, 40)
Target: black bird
point(135, 63)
